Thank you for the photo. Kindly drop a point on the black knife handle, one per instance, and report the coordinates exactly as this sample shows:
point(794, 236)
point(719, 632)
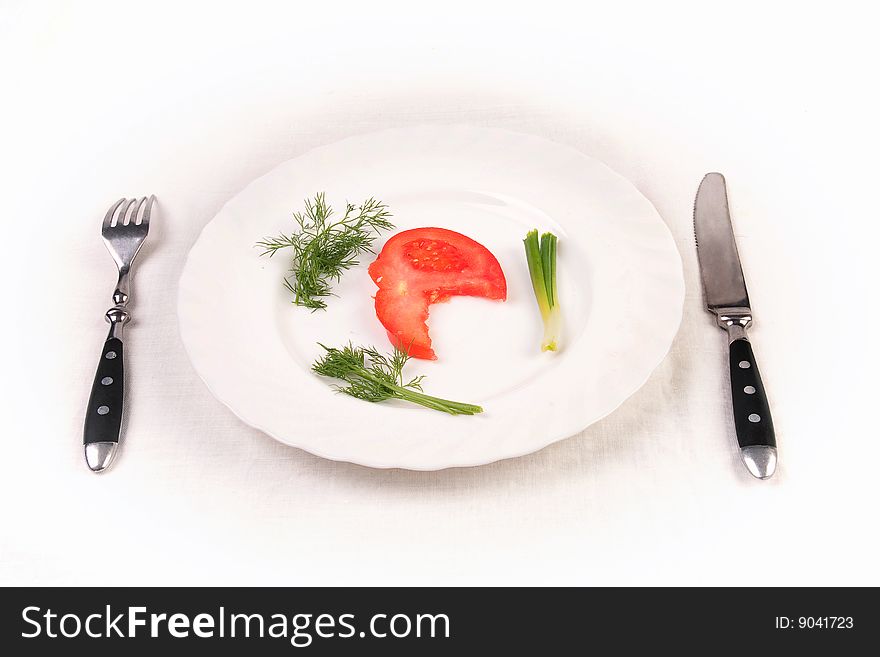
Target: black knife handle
point(751, 412)
point(104, 415)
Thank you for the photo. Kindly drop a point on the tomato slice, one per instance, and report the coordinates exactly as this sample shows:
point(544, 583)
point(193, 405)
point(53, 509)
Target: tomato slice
point(422, 266)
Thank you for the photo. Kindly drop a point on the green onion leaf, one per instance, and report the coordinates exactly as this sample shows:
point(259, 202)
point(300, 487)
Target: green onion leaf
point(541, 258)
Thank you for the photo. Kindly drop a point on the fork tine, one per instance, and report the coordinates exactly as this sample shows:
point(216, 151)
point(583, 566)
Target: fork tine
point(123, 216)
point(145, 219)
point(135, 216)
point(109, 216)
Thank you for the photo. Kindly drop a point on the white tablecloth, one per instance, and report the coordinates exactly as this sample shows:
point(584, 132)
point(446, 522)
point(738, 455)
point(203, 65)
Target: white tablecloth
point(192, 102)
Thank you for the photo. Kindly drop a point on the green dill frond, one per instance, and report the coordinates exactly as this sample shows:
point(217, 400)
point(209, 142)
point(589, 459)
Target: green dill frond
point(375, 377)
point(323, 248)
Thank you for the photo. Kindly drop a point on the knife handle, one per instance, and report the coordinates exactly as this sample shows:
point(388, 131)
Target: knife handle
point(751, 412)
point(104, 415)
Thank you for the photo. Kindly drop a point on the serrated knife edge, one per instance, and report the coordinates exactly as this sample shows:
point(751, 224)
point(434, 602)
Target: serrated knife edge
point(720, 269)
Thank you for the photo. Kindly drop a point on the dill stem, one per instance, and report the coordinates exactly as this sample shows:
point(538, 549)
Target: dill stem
point(445, 405)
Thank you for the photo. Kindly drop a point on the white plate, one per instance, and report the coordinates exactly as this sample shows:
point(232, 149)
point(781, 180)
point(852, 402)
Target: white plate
point(620, 281)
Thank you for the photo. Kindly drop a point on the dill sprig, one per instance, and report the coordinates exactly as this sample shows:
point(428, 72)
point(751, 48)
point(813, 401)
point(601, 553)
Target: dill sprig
point(324, 247)
point(375, 377)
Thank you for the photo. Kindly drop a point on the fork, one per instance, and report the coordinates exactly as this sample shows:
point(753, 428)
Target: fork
point(124, 230)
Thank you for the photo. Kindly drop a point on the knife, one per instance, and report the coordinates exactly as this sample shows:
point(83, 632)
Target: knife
point(728, 300)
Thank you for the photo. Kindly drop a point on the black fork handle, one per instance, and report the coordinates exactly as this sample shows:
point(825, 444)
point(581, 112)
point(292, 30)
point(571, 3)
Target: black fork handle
point(104, 415)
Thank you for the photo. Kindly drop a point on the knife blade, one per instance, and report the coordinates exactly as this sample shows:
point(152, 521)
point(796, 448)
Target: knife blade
point(727, 298)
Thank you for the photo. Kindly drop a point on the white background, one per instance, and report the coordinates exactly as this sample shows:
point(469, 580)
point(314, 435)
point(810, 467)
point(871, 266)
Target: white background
point(191, 102)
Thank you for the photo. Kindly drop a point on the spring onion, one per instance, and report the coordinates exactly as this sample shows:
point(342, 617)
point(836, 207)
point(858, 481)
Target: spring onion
point(541, 256)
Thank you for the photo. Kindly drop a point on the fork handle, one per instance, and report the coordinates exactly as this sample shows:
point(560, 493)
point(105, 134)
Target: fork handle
point(103, 421)
point(122, 292)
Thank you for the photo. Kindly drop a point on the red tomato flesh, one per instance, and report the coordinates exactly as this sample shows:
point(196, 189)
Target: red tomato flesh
point(422, 266)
